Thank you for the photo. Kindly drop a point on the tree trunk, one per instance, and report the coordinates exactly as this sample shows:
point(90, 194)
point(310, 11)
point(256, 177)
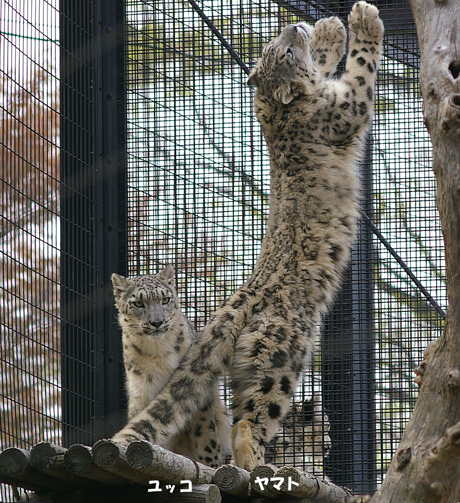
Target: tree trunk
point(426, 466)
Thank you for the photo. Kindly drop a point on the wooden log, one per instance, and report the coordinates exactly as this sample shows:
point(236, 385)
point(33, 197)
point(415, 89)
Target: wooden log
point(206, 493)
point(158, 463)
point(49, 459)
point(201, 493)
point(77, 459)
point(15, 464)
point(112, 457)
point(232, 480)
point(305, 485)
point(260, 480)
point(45, 456)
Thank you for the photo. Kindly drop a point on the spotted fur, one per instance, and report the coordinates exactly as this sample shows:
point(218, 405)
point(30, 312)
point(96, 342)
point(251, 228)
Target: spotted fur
point(302, 440)
point(264, 334)
point(156, 336)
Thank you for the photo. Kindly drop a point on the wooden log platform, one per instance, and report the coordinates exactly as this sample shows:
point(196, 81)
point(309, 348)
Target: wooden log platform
point(143, 472)
point(15, 464)
point(262, 482)
point(112, 457)
point(78, 461)
point(305, 485)
point(49, 459)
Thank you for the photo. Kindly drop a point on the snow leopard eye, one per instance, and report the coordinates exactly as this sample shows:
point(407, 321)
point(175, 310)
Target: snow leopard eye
point(166, 300)
point(138, 303)
point(289, 54)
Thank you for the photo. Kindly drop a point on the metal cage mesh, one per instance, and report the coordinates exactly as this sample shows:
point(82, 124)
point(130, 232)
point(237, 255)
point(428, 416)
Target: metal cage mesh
point(193, 191)
point(29, 224)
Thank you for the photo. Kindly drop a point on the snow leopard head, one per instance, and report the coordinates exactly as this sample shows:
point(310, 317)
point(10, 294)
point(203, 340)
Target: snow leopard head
point(286, 68)
point(146, 303)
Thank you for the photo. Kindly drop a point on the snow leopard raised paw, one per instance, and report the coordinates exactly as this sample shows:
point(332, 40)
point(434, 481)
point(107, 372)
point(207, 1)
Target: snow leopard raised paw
point(328, 44)
point(365, 24)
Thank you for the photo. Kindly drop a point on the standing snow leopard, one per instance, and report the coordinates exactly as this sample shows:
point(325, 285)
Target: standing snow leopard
point(156, 335)
point(264, 334)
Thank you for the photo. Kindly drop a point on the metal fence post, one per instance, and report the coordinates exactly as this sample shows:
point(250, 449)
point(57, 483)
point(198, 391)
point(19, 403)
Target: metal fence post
point(112, 211)
point(92, 167)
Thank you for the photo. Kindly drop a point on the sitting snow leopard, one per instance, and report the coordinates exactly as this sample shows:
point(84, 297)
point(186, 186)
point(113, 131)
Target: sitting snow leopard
point(263, 335)
point(156, 335)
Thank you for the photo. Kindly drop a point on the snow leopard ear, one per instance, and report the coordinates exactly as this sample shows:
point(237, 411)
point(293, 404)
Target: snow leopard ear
point(120, 285)
point(287, 92)
point(253, 79)
point(167, 275)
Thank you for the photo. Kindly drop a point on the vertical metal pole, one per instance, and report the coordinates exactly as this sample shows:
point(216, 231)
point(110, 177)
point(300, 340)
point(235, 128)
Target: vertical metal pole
point(337, 378)
point(363, 343)
point(111, 172)
point(78, 231)
point(92, 171)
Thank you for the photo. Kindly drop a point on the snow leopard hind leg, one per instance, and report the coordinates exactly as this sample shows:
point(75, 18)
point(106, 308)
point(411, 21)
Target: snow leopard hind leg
point(269, 361)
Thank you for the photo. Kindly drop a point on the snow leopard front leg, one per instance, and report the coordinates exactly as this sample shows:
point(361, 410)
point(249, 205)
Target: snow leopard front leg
point(364, 52)
point(207, 435)
point(351, 99)
point(328, 45)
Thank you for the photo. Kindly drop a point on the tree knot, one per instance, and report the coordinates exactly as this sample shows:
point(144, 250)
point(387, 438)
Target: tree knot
point(454, 101)
point(403, 457)
point(453, 379)
point(437, 488)
point(454, 69)
point(419, 372)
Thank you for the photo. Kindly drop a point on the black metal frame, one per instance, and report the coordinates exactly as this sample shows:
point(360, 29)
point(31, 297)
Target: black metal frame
point(92, 227)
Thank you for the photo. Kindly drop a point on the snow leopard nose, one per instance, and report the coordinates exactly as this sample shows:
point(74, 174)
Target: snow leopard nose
point(156, 323)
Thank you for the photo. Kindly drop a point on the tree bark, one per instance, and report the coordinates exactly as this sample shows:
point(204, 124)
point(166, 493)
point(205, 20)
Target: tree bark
point(426, 466)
